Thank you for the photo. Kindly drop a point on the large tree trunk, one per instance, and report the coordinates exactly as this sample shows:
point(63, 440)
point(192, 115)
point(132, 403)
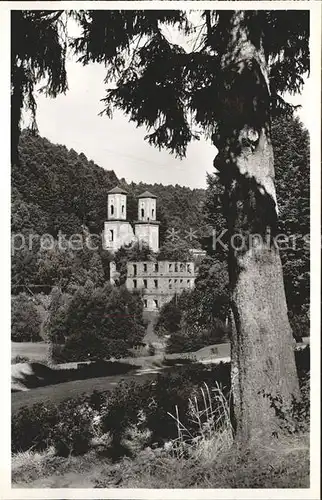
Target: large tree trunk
point(262, 345)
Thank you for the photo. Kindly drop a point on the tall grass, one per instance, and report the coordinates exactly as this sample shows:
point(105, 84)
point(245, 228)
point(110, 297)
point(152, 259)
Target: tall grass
point(211, 416)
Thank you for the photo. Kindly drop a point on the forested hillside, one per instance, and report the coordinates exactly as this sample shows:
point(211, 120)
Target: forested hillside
point(178, 207)
point(58, 189)
point(55, 189)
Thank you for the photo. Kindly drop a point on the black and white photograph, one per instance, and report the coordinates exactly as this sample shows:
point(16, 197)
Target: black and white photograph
point(161, 180)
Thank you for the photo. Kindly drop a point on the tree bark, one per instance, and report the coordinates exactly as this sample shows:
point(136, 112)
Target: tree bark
point(262, 347)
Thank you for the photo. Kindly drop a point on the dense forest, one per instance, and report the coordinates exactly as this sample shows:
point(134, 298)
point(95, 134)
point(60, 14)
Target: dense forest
point(55, 189)
point(58, 189)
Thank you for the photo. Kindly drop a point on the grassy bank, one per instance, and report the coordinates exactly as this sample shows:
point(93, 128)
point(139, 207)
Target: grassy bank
point(285, 464)
point(176, 430)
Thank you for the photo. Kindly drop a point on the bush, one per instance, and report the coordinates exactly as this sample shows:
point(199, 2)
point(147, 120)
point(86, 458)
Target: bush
point(147, 406)
point(67, 427)
point(302, 359)
point(151, 349)
point(169, 319)
point(19, 359)
point(96, 323)
point(73, 433)
point(193, 338)
point(33, 427)
point(25, 319)
point(300, 324)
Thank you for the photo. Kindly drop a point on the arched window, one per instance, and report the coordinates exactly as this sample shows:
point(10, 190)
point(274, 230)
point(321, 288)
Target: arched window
point(112, 209)
point(122, 209)
point(111, 235)
point(142, 212)
point(152, 212)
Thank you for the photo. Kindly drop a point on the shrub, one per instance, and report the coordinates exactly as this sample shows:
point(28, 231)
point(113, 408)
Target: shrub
point(154, 401)
point(168, 321)
point(302, 359)
point(67, 427)
point(295, 417)
point(72, 433)
point(97, 323)
point(192, 338)
point(19, 359)
point(300, 324)
point(25, 319)
point(151, 349)
point(33, 427)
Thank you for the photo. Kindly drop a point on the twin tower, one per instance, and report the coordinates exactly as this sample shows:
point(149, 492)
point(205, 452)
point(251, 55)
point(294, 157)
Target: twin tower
point(118, 231)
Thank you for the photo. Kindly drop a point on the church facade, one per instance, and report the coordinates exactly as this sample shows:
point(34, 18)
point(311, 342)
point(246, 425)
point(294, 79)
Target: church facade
point(118, 231)
point(158, 281)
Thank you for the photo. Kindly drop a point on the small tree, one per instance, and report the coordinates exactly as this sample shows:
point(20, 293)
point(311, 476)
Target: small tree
point(169, 318)
point(100, 323)
point(175, 251)
point(193, 337)
point(25, 319)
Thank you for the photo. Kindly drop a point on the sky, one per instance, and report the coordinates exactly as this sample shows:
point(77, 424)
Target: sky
point(116, 144)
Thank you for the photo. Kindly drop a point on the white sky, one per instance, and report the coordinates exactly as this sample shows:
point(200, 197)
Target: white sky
point(116, 144)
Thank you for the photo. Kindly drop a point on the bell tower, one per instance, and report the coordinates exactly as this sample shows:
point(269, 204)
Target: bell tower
point(117, 231)
point(147, 227)
point(116, 204)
